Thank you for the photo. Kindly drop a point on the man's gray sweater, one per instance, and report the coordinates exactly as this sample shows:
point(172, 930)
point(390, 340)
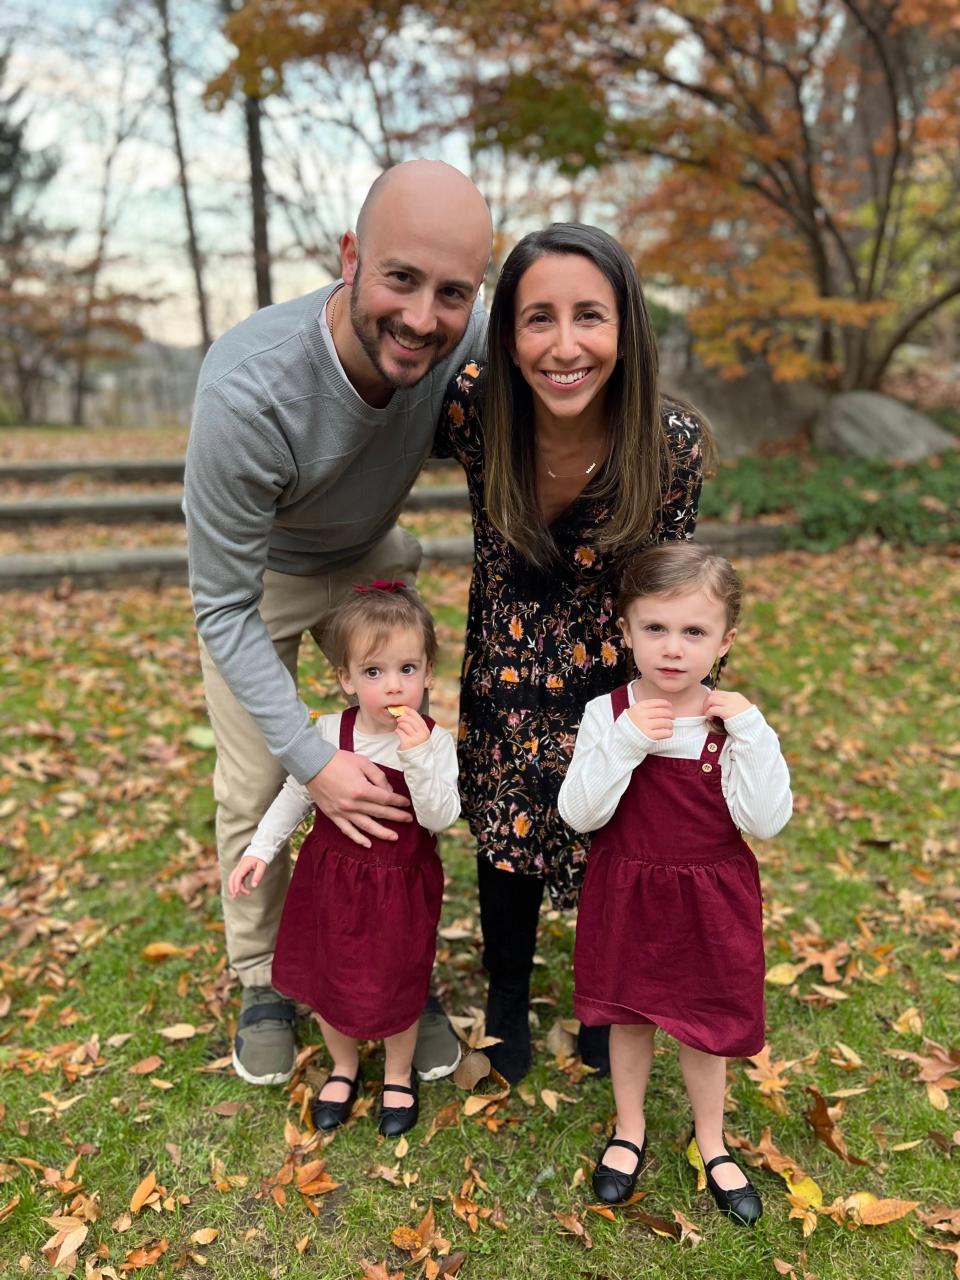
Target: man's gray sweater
point(288, 469)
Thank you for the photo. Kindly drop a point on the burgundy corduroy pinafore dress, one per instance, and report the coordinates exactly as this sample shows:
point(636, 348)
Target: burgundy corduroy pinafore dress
point(358, 933)
point(670, 927)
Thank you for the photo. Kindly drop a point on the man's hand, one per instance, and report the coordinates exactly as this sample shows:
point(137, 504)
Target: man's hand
point(721, 704)
point(411, 728)
point(353, 792)
point(654, 717)
point(247, 866)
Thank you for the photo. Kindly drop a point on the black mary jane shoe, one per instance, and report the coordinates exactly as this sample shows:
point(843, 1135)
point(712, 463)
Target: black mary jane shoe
point(613, 1186)
point(741, 1205)
point(397, 1120)
point(331, 1115)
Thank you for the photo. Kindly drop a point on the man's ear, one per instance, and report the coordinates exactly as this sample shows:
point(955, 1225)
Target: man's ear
point(349, 256)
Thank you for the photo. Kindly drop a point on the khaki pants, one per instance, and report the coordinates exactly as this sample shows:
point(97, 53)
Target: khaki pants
point(247, 777)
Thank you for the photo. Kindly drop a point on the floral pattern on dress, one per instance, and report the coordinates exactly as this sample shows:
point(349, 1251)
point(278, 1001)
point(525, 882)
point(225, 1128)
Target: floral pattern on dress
point(540, 643)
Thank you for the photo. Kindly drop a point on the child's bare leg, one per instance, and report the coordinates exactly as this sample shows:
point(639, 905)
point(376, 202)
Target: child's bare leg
point(631, 1054)
point(346, 1060)
point(705, 1076)
point(398, 1063)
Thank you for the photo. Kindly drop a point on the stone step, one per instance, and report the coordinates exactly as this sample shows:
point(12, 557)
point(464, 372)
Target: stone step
point(153, 566)
point(118, 471)
point(130, 508)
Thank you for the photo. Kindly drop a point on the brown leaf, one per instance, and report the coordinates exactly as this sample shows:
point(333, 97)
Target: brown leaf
point(139, 1197)
point(146, 1255)
point(879, 1212)
point(949, 1248)
point(179, 1031)
point(405, 1238)
point(822, 1123)
point(448, 1115)
point(8, 1208)
point(146, 1065)
point(156, 951)
point(226, 1109)
point(206, 1235)
point(451, 1265)
point(561, 1042)
point(472, 1069)
point(574, 1227)
point(378, 1271)
point(427, 1228)
point(688, 1230)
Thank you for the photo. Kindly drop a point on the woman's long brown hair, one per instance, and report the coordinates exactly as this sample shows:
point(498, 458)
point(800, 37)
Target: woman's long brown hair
point(638, 469)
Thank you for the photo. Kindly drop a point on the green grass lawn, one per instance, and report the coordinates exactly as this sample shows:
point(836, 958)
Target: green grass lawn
point(108, 851)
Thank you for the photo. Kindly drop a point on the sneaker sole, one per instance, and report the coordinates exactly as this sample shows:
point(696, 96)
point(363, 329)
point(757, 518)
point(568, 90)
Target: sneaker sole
point(438, 1073)
point(276, 1077)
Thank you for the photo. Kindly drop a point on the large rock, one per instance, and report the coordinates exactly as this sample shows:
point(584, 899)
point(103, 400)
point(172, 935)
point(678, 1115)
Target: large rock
point(865, 424)
point(745, 413)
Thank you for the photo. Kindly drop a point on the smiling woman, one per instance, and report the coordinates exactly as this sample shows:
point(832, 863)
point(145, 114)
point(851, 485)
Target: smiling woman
point(573, 460)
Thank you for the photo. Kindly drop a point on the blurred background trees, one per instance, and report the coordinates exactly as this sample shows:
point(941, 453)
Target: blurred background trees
point(786, 172)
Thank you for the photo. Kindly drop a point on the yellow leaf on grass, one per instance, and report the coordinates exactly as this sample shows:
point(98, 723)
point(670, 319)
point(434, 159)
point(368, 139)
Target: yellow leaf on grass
point(910, 1022)
point(695, 1159)
point(206, 1235)
point(781, 975)
point(806, 1193)
point(139, 1197)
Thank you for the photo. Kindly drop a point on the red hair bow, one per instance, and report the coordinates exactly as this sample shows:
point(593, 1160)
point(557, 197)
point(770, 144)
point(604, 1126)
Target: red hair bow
point(380, 586)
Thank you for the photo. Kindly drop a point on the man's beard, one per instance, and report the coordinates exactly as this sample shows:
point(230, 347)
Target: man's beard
point(368, 333)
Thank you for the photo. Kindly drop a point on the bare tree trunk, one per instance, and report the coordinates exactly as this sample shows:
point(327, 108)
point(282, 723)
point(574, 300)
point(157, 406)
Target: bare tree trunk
point(193, 248)
point(252, 113)
point(258, 201)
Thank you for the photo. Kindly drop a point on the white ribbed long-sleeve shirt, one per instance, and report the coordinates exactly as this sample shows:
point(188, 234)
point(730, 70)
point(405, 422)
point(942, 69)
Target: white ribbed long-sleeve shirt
point(753, 773)
point(429, 770)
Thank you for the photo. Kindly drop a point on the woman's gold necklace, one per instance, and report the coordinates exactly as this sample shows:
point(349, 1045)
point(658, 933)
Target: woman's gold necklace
point(569, 475)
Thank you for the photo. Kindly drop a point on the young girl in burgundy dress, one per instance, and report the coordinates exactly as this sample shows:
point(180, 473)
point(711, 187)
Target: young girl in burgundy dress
point(358, 932)
point(666, 772)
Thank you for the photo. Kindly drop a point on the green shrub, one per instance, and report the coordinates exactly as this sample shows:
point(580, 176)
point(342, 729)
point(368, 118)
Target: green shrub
point(827, 501)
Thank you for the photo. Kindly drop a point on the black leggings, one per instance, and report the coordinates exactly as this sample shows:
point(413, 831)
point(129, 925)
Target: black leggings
point(509, 911)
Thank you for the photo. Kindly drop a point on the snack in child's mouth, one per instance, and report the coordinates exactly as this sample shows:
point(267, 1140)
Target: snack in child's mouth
point(396, 711)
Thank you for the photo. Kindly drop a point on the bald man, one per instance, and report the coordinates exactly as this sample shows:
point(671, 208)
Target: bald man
point(312, 420)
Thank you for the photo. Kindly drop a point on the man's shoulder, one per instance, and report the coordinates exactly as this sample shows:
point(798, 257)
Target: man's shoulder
point(271, 340)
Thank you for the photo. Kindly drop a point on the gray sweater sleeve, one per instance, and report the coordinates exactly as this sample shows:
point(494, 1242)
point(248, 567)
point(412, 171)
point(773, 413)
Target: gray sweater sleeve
point(233, 478)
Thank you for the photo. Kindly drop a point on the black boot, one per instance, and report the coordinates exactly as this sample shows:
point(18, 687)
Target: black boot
point(593, 1045)
point(508, 1016)
point(509, 909)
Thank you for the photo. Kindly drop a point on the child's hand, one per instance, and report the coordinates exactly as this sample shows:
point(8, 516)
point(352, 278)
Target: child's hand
point(247, 866)
point(411, 728)
point(654, 717)
point(721, 704)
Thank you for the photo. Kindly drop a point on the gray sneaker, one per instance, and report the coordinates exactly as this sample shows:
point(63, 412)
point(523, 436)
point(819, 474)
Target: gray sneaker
point(264, 1049)
point(438, 1049)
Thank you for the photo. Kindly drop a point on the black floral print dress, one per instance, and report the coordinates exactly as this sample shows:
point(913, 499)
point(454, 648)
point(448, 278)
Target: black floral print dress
point(540, 643)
